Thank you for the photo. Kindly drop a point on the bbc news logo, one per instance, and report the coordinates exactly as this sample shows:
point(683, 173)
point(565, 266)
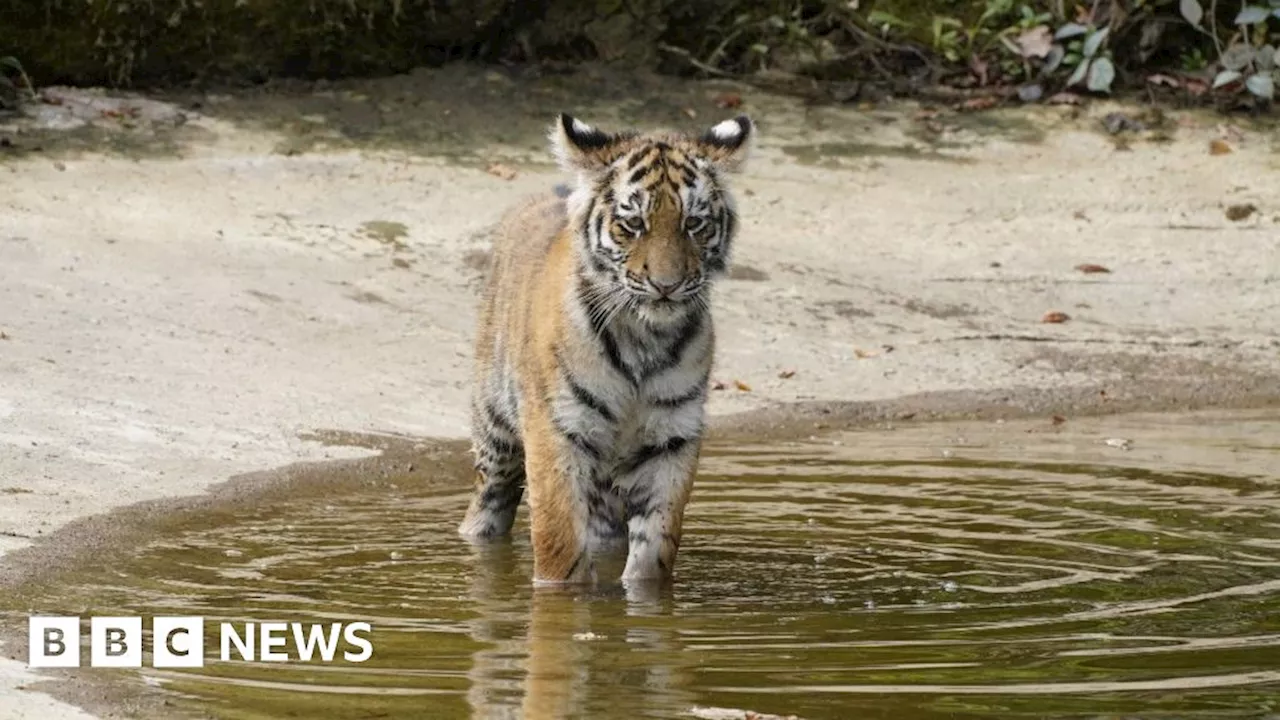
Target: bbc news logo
point(179, 642)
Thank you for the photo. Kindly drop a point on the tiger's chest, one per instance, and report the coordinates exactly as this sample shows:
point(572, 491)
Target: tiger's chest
point(650, 387)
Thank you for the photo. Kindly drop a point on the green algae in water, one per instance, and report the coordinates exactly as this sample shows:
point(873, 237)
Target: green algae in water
point(1046, 576)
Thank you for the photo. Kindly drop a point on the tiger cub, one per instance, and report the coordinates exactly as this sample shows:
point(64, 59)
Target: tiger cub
point(594, 347)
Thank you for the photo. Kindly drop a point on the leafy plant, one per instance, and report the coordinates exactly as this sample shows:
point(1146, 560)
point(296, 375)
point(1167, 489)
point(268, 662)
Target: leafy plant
point(1084, 48)
point(1248, 62)
point(15, 86)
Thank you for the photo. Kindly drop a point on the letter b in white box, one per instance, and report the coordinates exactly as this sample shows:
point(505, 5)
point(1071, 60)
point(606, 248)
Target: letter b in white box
point(115, 642)
point(53, 641)
point(178, 642)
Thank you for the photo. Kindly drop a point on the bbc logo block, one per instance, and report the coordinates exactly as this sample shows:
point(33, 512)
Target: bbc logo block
point(54, 641)
point(179, 642)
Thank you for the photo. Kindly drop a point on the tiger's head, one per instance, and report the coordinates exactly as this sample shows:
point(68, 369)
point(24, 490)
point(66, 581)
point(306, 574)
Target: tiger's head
point(652, 213)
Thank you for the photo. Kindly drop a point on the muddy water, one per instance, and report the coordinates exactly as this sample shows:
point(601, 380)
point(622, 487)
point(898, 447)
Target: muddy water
point(975, 570)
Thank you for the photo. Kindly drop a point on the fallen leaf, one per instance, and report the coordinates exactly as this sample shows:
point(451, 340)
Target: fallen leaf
point(1230, 132)
point(741, 386)
point(1165, 80)
point(1236, 213)
point(4, 336)
point(787, 374)
point(864, 354)
point(499, 170)
point(1036, 42)
point(980, 69)
point(1079, 215)
point(979, 103)
point(1057, 419)
point(926, 114)
point(1090, 269)
point(691, 113)
point(1219, 147)
point(717, 385)
point(728, 101)
point(1064, 98)
point(1055, 317)
point(1196, 87)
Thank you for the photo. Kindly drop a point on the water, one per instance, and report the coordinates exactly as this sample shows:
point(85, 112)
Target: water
point(981, 570)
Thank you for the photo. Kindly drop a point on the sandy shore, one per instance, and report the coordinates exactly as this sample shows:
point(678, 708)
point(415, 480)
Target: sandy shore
point(175, 317)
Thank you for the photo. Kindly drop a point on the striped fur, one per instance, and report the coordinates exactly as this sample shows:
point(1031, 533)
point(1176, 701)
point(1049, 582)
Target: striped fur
point(595, 345)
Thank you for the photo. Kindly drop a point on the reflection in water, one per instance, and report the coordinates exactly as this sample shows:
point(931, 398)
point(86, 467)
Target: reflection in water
point(541, 658)
point(1030, 571)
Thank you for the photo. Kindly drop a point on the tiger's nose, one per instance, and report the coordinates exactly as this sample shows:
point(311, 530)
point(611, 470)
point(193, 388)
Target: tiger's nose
point(665, 285)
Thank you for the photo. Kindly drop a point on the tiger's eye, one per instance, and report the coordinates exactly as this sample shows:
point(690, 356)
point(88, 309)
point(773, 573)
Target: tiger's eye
point(694, 224)
point(633, 224)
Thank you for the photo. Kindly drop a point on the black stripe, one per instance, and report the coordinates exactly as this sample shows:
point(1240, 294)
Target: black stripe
point(578, 440)
point(597, 264)
point(685, 335)
point(576, 562)
point(652, 452)
point(637, 158)
point(499, 421)
point(696, 393)
point(498, 446)
point(639, 174)
point(584, 395)
point(639, 504)
point(607, 341)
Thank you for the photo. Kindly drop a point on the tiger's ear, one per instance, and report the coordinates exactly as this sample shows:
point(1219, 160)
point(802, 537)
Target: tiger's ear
point(727, 144)
point(582, 148)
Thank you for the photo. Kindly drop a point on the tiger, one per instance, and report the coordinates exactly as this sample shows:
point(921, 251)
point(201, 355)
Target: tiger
point(594, 348)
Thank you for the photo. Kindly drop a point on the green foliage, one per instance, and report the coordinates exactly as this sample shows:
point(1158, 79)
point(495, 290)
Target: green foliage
point(15, 85)
point(121, 42)
point(1040, 46)
point(1248, 62)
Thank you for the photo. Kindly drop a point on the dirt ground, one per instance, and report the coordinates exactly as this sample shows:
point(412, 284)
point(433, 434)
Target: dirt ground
point(191, 286)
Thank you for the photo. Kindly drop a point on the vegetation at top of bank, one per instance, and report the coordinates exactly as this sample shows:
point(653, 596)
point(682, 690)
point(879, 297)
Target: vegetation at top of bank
point(15, 86)
point(1199, 50)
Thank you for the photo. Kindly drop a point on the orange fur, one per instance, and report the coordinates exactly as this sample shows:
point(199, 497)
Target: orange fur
point(557, 407)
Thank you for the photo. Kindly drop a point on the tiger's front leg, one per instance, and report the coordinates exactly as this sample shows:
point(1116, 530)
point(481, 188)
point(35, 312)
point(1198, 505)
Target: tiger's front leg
point(656, 481)
point(573, 510)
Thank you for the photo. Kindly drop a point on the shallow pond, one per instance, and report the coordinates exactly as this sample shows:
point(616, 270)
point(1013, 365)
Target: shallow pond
point(974, 570)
